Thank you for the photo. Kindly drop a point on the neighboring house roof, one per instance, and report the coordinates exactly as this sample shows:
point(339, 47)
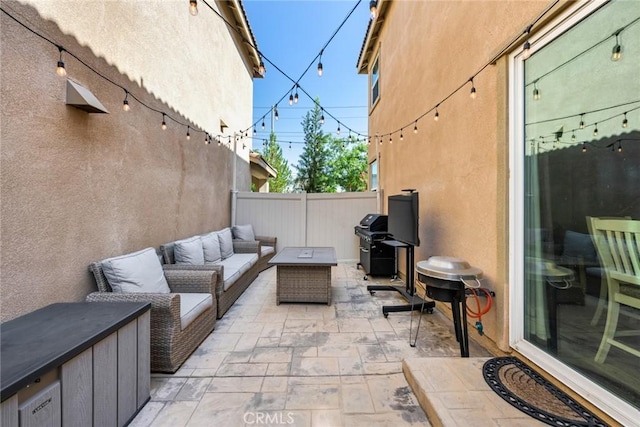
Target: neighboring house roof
point(265, 169)
point(371, 37)
point(241, 22)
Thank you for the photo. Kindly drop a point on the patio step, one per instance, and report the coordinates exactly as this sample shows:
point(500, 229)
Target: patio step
point(453, 392)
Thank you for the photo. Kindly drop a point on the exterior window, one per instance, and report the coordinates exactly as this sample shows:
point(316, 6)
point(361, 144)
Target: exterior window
point(373, 174)
point(375, 82)
point(579, 150)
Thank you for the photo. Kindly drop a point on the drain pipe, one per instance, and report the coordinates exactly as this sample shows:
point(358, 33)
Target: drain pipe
point(234, 185)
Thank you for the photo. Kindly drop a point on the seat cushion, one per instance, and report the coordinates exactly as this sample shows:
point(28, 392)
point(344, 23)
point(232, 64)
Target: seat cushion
point(136, 272)
point(266, 250)
point(236, 266)
point(189, 251)
point(193, 305)
point(211, 246)
point(244, 232)
point(226, 242)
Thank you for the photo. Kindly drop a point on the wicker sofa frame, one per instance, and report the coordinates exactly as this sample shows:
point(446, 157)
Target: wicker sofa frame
point(170, 344)
point(225, 299)
point(264, 260)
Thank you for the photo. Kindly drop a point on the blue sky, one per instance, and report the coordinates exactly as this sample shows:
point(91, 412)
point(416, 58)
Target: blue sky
point(290, 34)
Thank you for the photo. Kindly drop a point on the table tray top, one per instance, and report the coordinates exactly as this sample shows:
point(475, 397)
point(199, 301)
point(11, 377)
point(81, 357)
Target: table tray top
point(319, 256)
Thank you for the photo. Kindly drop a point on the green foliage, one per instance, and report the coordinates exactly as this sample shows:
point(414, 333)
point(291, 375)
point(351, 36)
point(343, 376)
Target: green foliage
point(272, 153)
point(349, 165)
point(314, 165)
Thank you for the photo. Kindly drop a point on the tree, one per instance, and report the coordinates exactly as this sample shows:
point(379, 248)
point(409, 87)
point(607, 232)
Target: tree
point(349, 165)
point(272, 153)
point(314, 165)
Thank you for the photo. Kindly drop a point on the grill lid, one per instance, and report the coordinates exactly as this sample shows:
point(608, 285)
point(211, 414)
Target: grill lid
point(448, 268)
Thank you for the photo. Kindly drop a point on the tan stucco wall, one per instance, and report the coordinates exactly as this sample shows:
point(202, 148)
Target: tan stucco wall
point(459, 165)
point(78, 187)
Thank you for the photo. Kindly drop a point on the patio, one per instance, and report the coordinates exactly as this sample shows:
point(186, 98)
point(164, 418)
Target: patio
point(304, 364)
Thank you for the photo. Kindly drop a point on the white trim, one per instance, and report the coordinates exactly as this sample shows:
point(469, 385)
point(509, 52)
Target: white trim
point(603, 399)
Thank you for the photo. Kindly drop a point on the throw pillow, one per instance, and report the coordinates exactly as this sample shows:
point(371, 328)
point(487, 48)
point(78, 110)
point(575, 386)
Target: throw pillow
point(578, 245)
point(226, 242)
point(136, 272)
point(189, 251)
point(243, 232)
point(211, 246)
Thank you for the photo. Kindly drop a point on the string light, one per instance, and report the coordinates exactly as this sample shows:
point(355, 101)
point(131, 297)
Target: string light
point(206, 138)
point(262, 124)
point(595, 130)
point(619, 146)
point(573, 136)
point(625, 122)
point(584, 147)
point(415, 127)
point(536, 92)
point(60, 70)
point(473, 89)
point(526, 48)
point(188, 133)
point(401, 136)
point(581, 125)
point(261, 69)
point(125, 103)
point(219, 142)
point(320, 69)
point(616, 52)
point(295, 96)
point(291, 99)
point(436, 116)
point(322, 116)
point(193, 7)
point(338, 131)
point(275, 108)
point(390, 139)
point(373, 8)
point(163, 126)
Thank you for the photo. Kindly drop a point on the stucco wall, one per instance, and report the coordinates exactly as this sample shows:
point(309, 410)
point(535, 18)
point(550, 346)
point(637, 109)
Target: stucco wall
point(459, 163)
point(78, 187)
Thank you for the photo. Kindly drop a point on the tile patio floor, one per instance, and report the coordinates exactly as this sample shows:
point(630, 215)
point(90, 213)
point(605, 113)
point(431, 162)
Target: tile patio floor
point(303, 364)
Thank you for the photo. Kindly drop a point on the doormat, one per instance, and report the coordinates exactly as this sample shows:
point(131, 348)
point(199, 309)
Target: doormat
point(531, 393)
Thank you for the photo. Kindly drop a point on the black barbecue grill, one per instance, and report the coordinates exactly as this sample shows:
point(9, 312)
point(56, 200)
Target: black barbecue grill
point(376, 258)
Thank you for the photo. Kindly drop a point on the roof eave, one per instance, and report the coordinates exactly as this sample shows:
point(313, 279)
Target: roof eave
point(250, 46)
point(371, 37)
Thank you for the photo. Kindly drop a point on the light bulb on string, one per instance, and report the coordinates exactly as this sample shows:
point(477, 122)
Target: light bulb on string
point(322, 117)
point(472, 94)
point(595, 130)
point(60, 70)
point(219, 141)
point(188, 133)
point(390, 139)
point(401, 135)
point(584, 147)
point(254, 129)
point(436, 116)
point(526, 47)
point(373, 8)
point(415, 127)
point(206, 138)
point(163, 126)
point(125, 103)
point(581, 125)
point(261, 69)
point(262, 124)
point(619, 146)
point(275, 109)
point(573, 136)
point(625, 122)
point(290, 99)
point(616, 52)
point(536, 91)
point(295, 96)
point(193, 7)
point(338, 130)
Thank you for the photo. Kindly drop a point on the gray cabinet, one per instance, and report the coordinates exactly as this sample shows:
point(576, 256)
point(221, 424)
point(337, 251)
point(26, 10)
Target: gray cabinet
point(95, 374)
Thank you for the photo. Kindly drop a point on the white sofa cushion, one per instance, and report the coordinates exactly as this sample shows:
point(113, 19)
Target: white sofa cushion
point(266, 250)
point(226, 242)
point(192, 305)
point(136, 272)
point(235, 267)
point(189, 251)
point(244, 232)
point(211, 246)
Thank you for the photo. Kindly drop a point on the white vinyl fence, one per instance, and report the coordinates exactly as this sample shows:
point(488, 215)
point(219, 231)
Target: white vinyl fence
point(307, 219)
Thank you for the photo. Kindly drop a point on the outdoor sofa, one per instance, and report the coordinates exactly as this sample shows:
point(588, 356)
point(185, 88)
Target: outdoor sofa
point(183, 303)
point(237, 262)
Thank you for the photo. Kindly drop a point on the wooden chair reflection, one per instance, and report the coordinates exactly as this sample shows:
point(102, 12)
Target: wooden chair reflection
point(618, 245)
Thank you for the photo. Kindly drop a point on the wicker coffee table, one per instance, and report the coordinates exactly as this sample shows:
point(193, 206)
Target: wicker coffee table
point(304, 274)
